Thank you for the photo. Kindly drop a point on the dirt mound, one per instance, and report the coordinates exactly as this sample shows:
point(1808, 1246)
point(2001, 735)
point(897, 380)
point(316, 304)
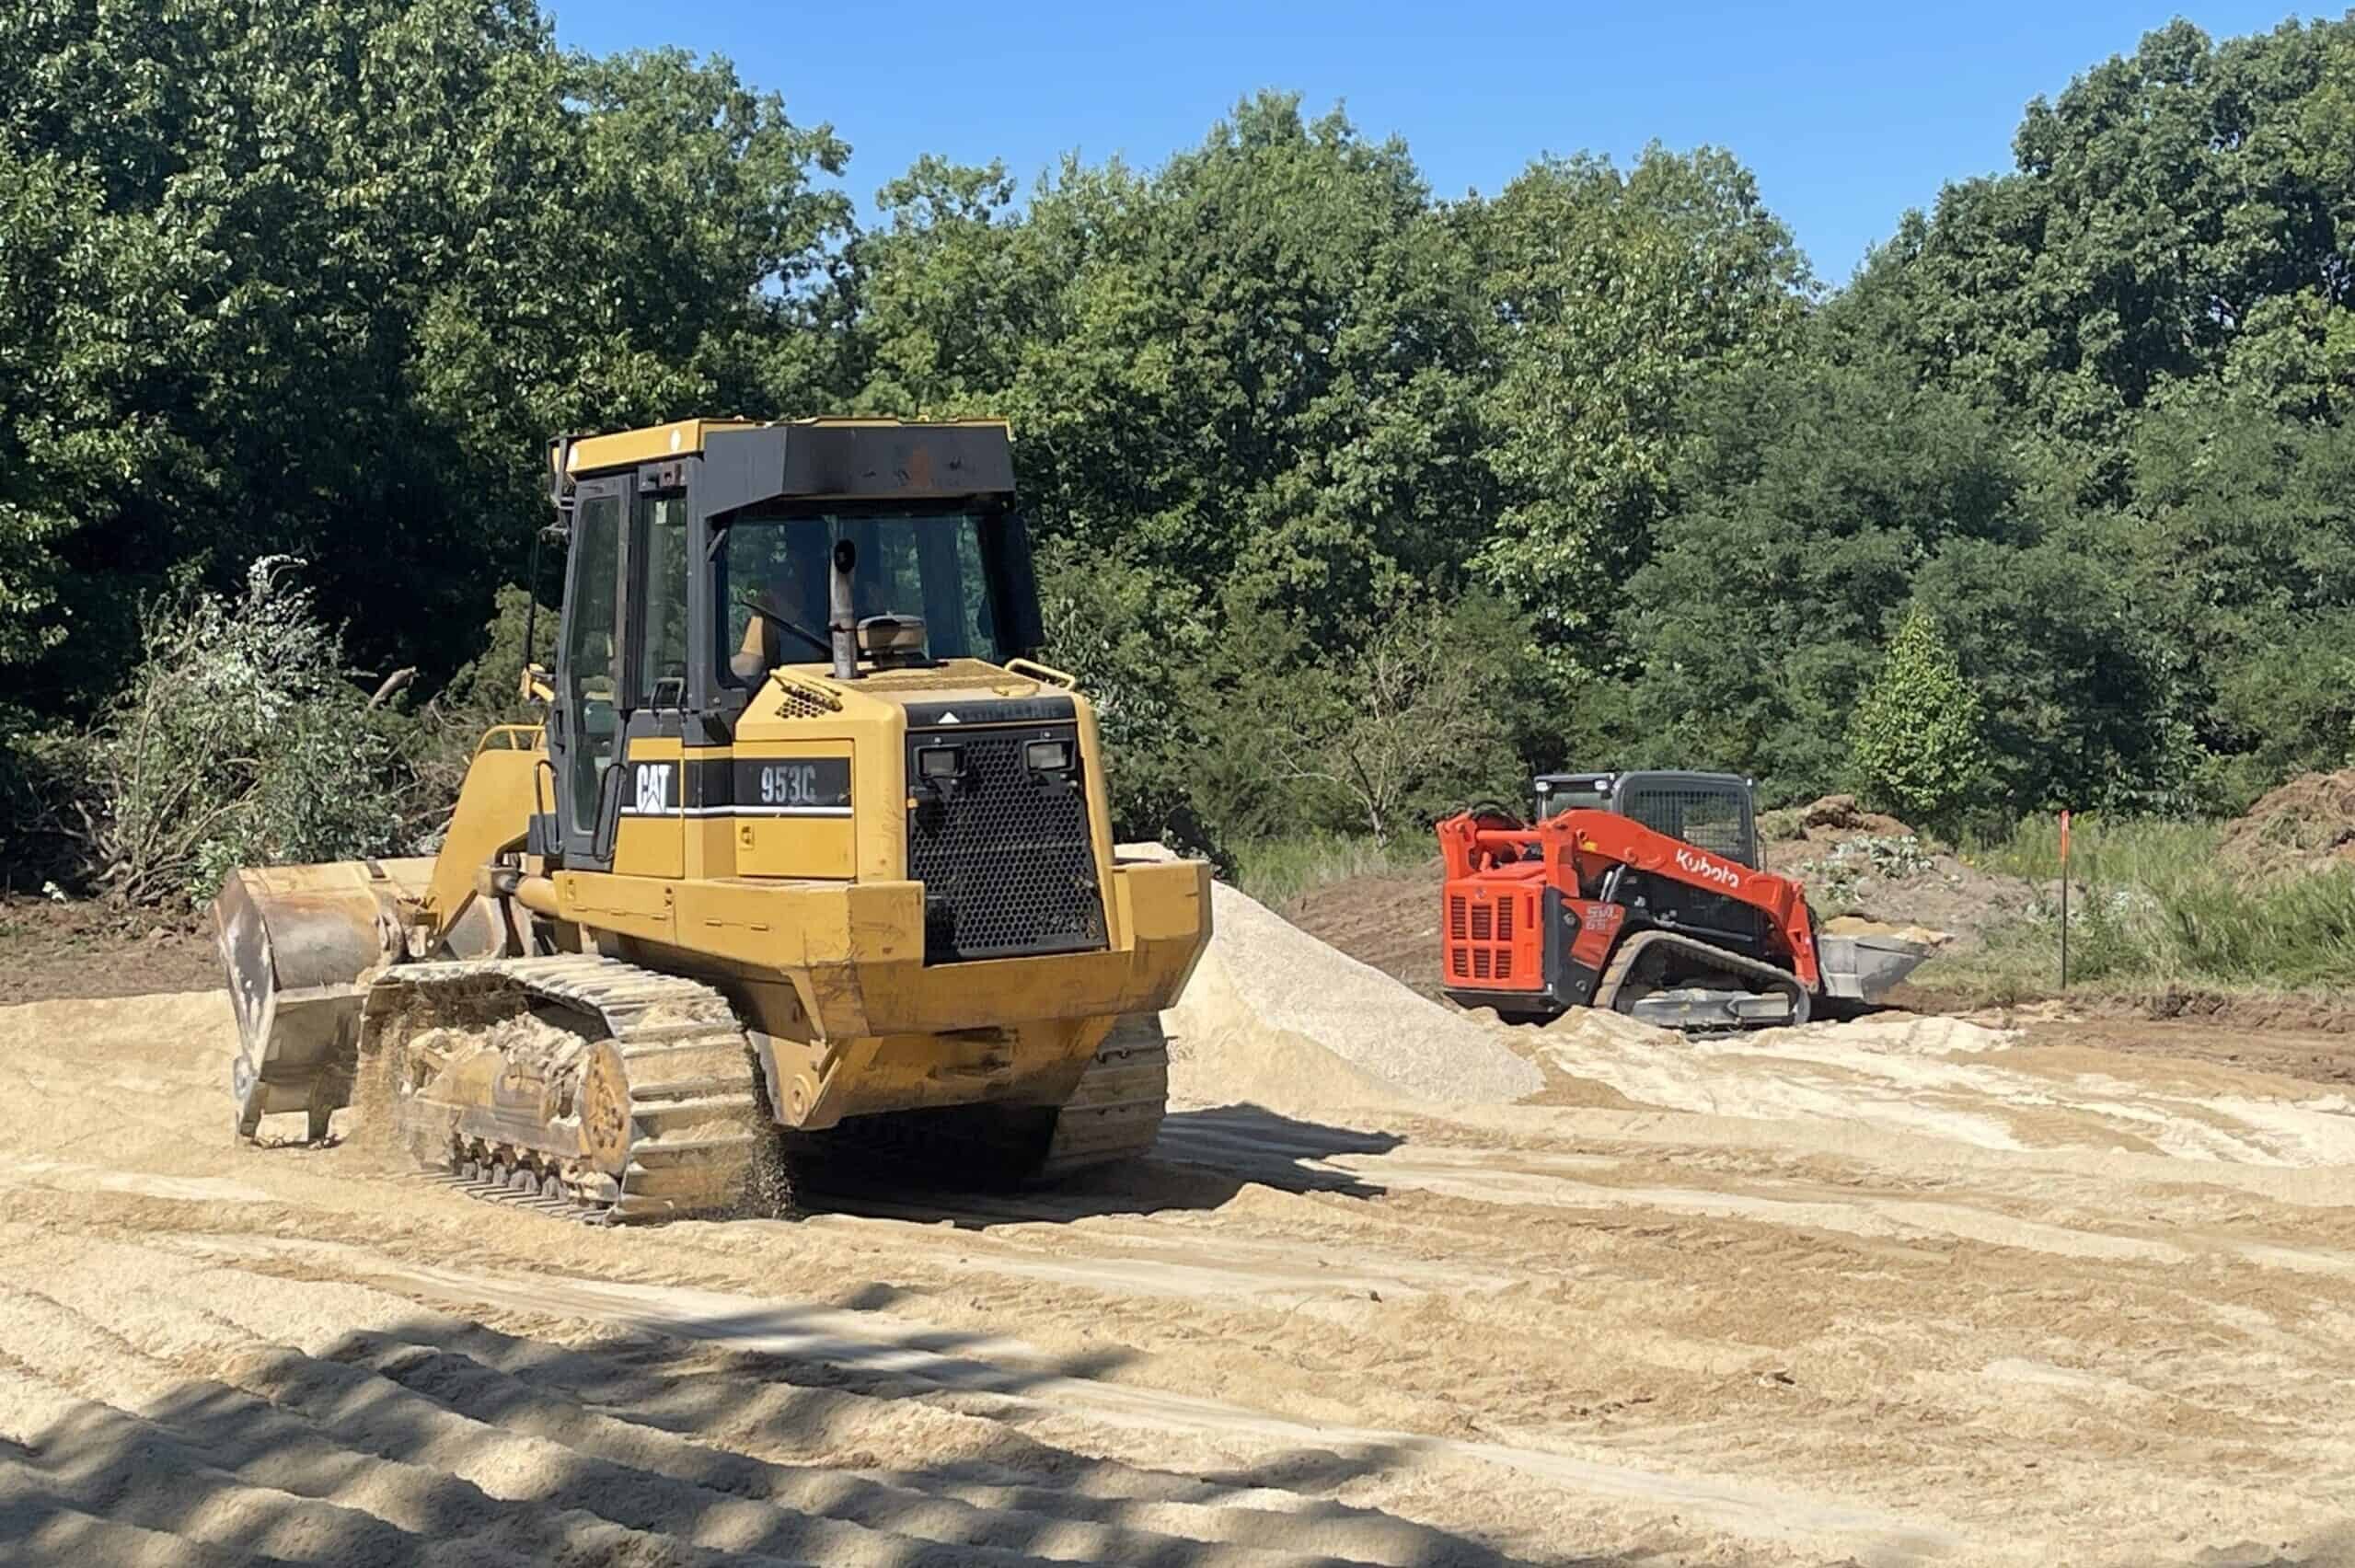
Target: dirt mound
point(2306, 824)
point(1842, 814)
point(1391, 922)
point(1860, 863)
point(1276, 1016)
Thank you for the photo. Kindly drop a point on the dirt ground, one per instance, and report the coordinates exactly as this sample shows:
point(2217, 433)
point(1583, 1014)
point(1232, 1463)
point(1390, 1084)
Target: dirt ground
point(1905, 1294)
point(2306, 824)
point(1390, 922)
point(61, 948)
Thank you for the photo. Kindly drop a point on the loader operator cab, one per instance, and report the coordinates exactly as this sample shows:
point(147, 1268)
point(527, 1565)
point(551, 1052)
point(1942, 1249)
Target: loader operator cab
point(705, 555)
point(1715, 812)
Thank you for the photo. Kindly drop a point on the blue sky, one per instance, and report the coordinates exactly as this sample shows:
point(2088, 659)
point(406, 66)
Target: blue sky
point(1849, 113)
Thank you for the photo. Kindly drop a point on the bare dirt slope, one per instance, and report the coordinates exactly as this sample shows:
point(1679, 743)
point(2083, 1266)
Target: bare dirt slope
point(1906, 1297)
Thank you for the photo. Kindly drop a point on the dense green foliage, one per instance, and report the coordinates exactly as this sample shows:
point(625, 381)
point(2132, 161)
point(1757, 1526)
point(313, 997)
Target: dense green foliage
point(239, 743)
point(1353, 501)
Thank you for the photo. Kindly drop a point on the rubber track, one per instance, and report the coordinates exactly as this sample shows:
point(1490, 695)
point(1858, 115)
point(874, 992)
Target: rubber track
point(687, 1062)
point(1622, 963)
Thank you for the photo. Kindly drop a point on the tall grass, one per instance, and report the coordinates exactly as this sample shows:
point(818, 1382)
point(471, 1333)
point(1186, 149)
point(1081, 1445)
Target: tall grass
point(2157, 902)
point(1277, 870)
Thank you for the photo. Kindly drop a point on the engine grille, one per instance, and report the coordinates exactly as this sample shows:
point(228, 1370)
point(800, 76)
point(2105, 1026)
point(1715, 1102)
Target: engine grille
point(1005, 855)
point(1479, 942)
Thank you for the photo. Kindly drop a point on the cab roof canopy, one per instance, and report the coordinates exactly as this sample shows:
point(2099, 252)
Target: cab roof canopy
point(818, 461)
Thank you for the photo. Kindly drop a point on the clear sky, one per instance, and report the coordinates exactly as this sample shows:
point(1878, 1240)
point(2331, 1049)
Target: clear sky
point(1848, 112)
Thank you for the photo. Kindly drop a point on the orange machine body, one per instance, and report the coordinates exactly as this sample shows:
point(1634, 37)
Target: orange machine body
point(1532, 916)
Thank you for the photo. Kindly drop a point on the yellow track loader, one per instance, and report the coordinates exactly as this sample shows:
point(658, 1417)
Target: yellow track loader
point(807, 853)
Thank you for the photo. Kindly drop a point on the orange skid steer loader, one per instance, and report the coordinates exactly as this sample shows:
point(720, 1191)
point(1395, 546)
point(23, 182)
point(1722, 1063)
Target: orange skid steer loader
point(1643, 892)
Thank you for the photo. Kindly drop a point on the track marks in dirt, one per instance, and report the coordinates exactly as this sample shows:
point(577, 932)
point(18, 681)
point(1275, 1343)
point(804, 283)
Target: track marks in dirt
point(1633, 1335)
point(396, 1442)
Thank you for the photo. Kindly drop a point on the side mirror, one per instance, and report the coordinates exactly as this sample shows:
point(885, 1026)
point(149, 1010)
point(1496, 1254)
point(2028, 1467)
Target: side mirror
point(536, 685)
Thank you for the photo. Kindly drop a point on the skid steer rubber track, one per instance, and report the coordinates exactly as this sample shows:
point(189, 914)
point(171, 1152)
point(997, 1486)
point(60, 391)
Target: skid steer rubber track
point(1615, 976)
point(580, 1084)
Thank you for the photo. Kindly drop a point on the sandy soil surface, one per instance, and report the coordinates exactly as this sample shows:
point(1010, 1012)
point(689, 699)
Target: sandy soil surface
point(1877, 1295)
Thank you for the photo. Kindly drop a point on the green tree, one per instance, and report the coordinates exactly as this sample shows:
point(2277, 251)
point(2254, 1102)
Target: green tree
point(280, 277)
point(1914, 742)
point(2178, 214)
point(1612, 296)
point(2238, 545)
point(1247, 390)
point(1814, 493)
point(1409, 727)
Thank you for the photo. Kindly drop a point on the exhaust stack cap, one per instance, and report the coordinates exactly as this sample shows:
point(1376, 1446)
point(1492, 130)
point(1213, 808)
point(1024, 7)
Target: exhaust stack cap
point(842, 622)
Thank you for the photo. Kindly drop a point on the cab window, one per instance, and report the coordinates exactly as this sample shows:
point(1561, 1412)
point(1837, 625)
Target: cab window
point(588, 663)
point(934, 567)
point(662, 646)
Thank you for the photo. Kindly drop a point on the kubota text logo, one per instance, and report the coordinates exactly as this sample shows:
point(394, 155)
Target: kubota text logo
point(1702, 866)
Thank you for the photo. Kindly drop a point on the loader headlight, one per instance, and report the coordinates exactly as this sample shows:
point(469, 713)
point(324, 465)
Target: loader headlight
point(940, 762)
point(1048, 757)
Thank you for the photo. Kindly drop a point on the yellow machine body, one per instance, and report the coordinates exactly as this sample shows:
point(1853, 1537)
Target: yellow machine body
point(769, 851)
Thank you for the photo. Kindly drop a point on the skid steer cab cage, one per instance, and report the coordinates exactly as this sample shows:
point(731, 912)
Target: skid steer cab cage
point(1532, 916)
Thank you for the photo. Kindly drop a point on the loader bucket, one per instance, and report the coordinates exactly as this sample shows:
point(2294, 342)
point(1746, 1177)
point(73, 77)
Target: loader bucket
point(300, 943)
point(1865, 965)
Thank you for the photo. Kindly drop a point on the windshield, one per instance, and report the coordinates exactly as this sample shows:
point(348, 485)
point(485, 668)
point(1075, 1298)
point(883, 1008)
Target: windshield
point(929, 566)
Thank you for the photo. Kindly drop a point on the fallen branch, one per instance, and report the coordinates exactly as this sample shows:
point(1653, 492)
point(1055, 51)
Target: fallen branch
point(392, 685)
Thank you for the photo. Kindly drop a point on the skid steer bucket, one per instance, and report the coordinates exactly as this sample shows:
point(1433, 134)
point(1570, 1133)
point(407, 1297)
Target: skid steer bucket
point(1865, 966)
point(300, 943)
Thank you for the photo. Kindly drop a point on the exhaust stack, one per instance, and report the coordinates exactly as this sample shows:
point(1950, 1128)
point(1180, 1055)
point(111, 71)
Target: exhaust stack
point(841, 620)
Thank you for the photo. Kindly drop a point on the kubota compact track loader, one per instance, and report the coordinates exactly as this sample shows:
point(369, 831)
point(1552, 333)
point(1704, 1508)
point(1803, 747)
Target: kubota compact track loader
point(1642, 892)
point(805, 842)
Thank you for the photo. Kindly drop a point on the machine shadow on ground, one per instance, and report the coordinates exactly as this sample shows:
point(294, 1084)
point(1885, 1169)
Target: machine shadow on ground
point(392, 1448)
point(1203, 1159)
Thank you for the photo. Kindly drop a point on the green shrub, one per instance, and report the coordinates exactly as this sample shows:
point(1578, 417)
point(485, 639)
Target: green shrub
point(1914, 740)
point(240, 740)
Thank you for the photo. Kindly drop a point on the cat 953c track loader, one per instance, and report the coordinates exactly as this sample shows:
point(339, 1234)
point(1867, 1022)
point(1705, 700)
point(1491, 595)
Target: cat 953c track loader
point(807, 854)
point(1643, 892)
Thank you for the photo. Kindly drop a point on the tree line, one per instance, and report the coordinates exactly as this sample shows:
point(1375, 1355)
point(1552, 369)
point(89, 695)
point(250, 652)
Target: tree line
point(1354, 500)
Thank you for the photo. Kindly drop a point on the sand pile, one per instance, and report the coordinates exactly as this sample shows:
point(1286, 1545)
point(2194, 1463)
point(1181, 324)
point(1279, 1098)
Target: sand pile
point(2304, 825)
point(1953, 1079)
point(1276, 1017)
point(1858, 925)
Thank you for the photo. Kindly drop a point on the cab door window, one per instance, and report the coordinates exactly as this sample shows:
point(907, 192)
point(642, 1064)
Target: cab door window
point(589, 659)
point(662, 647)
